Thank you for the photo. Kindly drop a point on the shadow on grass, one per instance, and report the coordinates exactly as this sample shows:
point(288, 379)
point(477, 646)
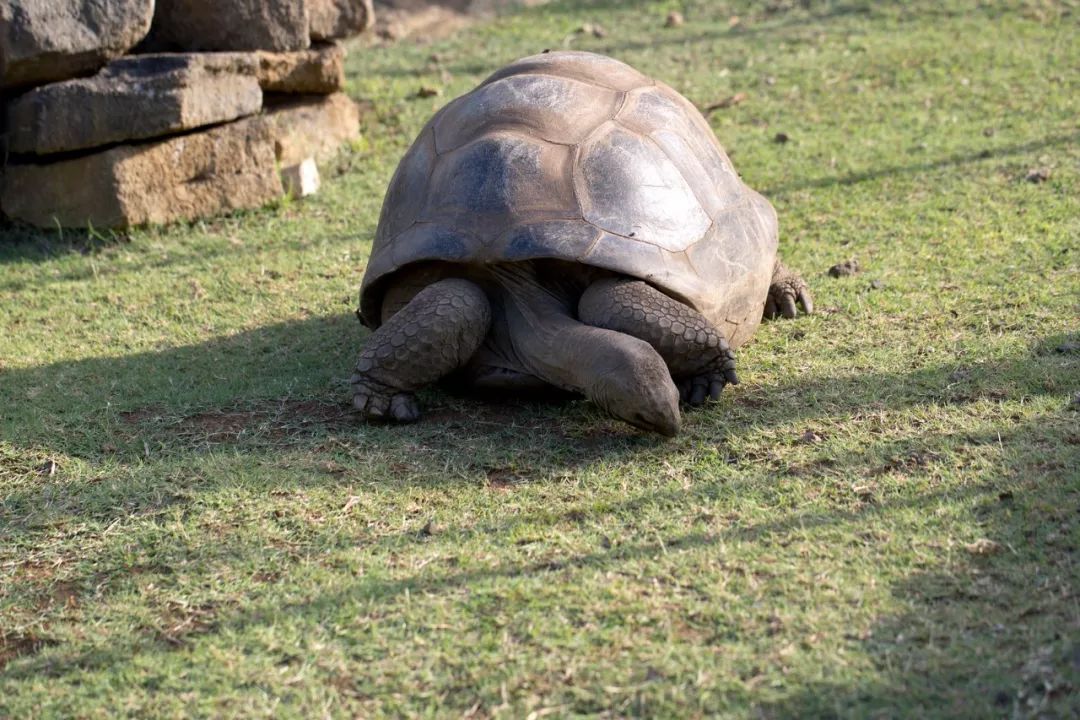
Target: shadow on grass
point(953, 654)
point(287, 384)
point(995, 632)
point(283, 386)
point(20, 242)
point(954, 160)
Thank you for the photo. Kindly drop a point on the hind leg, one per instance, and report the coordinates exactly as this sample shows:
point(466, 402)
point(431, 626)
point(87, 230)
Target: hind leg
point(431, 336)
point(786, 289)
point(697, 353)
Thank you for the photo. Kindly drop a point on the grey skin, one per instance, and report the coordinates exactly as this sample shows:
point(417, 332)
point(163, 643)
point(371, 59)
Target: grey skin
point(569, 223)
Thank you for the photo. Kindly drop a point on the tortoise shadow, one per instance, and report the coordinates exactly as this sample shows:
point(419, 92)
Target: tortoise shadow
point(283, 388)
point(166, 400)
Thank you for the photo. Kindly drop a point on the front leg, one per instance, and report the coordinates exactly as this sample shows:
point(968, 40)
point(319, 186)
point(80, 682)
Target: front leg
point(786, 289)
point(696, 352)
point(433, 335)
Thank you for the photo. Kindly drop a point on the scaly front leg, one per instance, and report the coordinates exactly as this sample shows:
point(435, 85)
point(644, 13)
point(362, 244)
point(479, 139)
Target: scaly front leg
point(433, 335)
point(697, 353)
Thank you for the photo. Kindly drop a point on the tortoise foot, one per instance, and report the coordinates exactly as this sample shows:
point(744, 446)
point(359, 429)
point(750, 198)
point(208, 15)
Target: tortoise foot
point(697, 389)
point(786, 292)
point(433, 335)
point(377, 402)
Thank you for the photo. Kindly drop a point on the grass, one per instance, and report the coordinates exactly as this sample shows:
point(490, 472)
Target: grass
point(881, 521)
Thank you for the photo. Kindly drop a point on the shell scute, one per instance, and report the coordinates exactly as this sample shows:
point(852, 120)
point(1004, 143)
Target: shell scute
point(408, 187)
point(558, 110)
point(628, 186)
point(499, 180)
point(553, 238)
point(673, 123)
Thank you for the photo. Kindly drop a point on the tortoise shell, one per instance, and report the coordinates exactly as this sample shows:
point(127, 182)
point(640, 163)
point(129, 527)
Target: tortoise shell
point(579, 157)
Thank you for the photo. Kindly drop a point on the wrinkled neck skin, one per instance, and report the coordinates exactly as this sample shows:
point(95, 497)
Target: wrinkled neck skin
point(620, 373)
point(541, 332)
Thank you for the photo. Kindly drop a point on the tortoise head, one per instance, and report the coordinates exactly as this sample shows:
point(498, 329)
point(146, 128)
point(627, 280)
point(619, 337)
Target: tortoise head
point(632, 383)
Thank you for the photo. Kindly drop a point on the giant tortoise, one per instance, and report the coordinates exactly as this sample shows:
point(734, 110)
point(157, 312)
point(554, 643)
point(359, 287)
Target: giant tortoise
point(570, 223)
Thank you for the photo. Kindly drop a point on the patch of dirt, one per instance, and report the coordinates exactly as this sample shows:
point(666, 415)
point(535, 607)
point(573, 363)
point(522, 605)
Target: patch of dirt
point(273, 419)
point(480, 412)
point(428, 20)
point(180, 620)
point(65, 594)
point(218, 424)
point(502, 479)
point(138, 417)
point(420, 21)
point(911, 461)
point(1038, 175)
point(35, 571)
point(17, 645)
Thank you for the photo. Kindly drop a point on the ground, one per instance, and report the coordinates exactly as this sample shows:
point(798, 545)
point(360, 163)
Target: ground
point(882, 520)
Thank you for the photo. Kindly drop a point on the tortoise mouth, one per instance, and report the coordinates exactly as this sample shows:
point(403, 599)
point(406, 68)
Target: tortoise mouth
point(667, 428)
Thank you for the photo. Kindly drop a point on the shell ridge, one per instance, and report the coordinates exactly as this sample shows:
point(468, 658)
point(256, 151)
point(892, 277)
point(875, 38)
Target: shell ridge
point(565, 77)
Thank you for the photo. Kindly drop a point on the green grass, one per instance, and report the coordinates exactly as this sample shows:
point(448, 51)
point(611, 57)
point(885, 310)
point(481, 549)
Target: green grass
point(881, 521)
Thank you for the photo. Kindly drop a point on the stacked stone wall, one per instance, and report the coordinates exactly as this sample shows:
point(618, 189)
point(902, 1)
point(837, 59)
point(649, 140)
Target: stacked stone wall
point(125, 112)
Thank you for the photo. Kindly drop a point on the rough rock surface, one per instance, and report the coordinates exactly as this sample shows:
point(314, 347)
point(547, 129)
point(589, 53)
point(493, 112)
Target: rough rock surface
point(320, 70)
point(312, 126)
point(137, 97)
point(340, 18)
point(301, 180)
point(46, 40)
point(233, 25)
point(228, 167)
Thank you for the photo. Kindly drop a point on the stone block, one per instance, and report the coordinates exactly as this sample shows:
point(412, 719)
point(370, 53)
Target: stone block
point(186, 25)
point(301, 180)
point(332, 19)
point(134, 98)
point(311, 126)
point(46, 40)
point(228, 167)
point(320, 69)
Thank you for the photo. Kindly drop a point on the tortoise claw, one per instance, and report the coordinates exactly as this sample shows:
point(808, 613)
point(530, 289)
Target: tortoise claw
point(710, 382)
point(715, 388)
point(377, 404)
point(403, 408)
point(701, 389)
point(786, 293)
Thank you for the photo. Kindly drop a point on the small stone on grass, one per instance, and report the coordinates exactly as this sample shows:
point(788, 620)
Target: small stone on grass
point(590, 29)
point(845, 268)
point(674, 19)
point(983, 546)
point(1038, 175)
